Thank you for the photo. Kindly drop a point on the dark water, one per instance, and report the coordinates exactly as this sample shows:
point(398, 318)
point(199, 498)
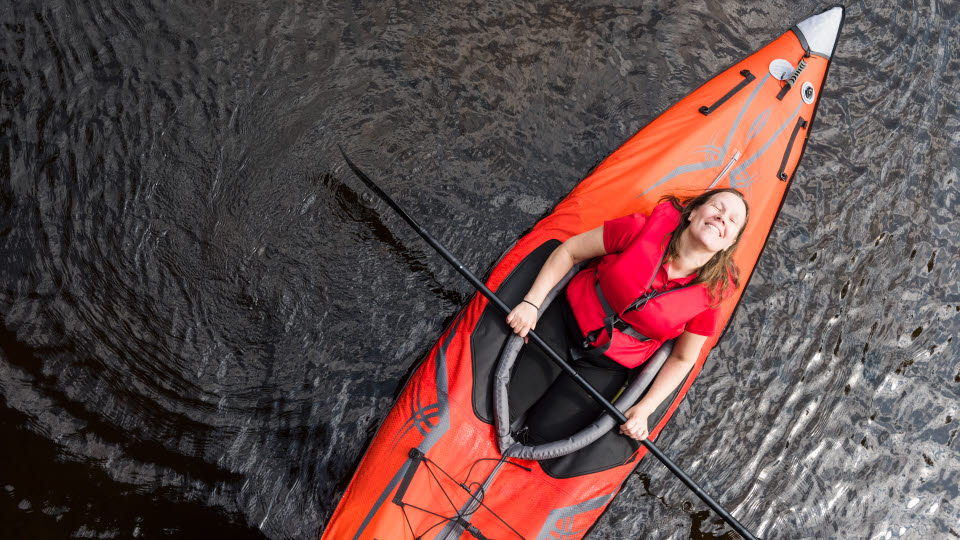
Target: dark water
point(204, 316)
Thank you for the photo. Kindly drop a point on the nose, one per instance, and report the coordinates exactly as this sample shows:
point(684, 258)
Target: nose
point(721, 223)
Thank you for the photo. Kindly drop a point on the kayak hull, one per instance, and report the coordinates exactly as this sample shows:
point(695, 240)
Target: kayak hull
point(434, 467)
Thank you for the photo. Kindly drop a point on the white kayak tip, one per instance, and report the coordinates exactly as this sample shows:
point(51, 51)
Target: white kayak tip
point(820, 31)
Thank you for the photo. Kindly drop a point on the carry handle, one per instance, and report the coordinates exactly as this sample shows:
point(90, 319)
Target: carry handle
point(781, 174)
point(747, 79)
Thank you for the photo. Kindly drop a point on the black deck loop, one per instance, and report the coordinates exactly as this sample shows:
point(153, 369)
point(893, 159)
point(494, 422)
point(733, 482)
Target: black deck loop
point(783, 91)
point(781, 174)
point(747, 79)
point(417, 456)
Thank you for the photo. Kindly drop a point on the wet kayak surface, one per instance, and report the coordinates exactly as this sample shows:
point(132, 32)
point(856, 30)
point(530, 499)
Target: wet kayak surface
point(205, 316)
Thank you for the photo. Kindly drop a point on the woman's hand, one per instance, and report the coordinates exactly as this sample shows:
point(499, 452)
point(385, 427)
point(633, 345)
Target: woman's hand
point(575, 249)
point(636, 426)
point(522, 319)
point(674, 371)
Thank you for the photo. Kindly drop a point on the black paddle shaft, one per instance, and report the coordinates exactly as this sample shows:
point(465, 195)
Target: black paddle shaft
point(495, 300)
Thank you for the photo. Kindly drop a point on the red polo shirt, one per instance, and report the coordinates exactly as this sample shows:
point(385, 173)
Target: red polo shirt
point(625, 274)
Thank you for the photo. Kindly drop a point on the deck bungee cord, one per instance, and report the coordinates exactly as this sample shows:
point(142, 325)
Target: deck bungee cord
point(546, 348)
point(460, 518)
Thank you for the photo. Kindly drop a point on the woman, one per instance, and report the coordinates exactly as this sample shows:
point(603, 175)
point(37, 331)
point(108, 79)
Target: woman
point(656, 278)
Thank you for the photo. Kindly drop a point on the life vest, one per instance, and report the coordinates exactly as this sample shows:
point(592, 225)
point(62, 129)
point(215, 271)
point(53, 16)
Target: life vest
point(621, 298)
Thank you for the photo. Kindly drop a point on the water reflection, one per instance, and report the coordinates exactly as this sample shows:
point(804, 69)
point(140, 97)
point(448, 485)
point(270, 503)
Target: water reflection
point(205, 317)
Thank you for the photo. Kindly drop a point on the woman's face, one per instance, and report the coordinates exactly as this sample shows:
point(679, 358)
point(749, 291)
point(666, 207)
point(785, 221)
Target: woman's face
point(716, 223)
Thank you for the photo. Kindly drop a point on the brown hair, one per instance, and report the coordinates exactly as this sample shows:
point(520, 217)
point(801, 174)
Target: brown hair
point(720, 272)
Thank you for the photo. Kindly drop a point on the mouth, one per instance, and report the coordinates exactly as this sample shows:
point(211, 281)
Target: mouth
point(719, 232)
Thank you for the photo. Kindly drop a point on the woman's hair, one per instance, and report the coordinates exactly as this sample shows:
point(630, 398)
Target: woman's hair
point(720, 272)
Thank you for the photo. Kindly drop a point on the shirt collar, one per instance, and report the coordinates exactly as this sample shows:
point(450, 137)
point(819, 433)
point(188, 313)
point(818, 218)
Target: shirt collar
point(679, 281)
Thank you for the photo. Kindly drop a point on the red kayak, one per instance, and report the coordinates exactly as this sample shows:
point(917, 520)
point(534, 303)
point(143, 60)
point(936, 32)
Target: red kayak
point(445, 463)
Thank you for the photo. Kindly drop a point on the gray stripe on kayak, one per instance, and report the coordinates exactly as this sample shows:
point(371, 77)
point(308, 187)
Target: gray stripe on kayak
point(758, 125)
point(693, 167)
point(551, 530)
point(431, 439)
point(739, 177)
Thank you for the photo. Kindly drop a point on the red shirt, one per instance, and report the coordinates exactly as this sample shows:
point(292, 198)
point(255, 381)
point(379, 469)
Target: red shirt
point(635, 245)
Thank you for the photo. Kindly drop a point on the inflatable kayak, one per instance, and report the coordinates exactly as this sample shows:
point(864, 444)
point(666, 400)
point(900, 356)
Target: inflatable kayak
point(447, 462)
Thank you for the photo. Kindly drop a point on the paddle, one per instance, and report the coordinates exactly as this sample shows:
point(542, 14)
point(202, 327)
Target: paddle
point(492, 297)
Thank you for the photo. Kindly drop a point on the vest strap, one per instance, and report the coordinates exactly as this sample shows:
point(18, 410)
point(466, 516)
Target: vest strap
point(613, 321)
point(610, 322)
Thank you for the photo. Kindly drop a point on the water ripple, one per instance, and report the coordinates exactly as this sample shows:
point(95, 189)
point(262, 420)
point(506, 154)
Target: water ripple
point(205, 317)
